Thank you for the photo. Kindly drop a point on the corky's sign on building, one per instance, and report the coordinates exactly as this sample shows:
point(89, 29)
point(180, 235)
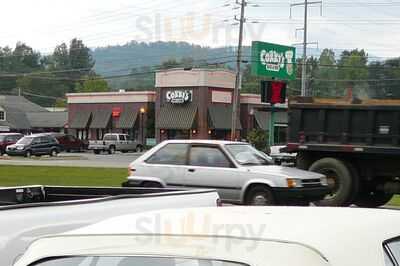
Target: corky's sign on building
point(179, 96)
point(273, 60)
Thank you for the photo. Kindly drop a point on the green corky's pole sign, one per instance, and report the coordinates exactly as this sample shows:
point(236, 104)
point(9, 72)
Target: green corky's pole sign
point(273, 60)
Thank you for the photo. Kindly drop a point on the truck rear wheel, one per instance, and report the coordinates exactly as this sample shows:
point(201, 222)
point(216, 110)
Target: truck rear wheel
point(340, 181)
point(373, 199)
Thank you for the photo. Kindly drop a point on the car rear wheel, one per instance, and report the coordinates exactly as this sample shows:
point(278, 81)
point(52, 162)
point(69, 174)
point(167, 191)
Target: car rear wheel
point(96, 151)
point(260, 196)
point(139, 148)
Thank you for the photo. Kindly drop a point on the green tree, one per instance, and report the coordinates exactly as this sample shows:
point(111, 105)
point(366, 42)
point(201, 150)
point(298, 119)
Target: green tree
point(326, 74)
point(353, 69)
point(92, 83)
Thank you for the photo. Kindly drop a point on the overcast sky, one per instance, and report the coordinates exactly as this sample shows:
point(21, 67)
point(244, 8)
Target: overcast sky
point(42, 24)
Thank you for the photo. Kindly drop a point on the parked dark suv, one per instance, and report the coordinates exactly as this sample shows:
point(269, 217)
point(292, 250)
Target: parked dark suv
point(8, 139)
point(69, 143)
point(38, 144)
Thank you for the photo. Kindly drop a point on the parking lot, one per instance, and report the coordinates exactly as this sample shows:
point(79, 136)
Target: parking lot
point(84, 159)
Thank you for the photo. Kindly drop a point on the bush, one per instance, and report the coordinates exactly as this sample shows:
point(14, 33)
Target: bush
point(258, 138)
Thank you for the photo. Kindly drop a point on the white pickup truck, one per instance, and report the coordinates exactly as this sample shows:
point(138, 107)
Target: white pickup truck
point(28, 213)
point(113, 142)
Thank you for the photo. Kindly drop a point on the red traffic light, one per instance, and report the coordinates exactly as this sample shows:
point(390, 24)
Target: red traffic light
point(273, 92)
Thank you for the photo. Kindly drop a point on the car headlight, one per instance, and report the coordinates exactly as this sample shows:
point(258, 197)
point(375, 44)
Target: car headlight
point(293, 182)
point(324, 180)
point(20, 148)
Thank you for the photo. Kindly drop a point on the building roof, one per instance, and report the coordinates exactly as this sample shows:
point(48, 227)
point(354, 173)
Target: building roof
point(341, 236)
point(16, 108)
point(19, 103)
point(177, 116)
point(48, 119)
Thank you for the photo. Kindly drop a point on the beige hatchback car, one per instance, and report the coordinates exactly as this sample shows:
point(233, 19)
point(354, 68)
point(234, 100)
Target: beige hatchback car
point(229, 236)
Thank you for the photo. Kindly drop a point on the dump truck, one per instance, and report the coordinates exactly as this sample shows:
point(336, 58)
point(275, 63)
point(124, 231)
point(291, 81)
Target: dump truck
point(355, 143)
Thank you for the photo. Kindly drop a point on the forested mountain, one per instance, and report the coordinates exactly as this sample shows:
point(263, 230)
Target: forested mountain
point(73, 67)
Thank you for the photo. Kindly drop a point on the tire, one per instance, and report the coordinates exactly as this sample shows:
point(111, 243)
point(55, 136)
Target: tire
point(111, 150)
point(373, 199)
point(152, 184)
point(28, 154)
point(260, 195)
point(139, 148)
point(53, 153)
point(1, 152)
point(340, 178)
point(356, 183)
point(96, 151)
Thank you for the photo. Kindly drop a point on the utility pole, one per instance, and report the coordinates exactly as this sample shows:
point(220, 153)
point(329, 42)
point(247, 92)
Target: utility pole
point(304, 68)
point(238, 79)
point(306, 4)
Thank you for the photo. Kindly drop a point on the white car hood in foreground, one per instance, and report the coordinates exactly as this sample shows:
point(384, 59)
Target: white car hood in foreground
point(284, 171)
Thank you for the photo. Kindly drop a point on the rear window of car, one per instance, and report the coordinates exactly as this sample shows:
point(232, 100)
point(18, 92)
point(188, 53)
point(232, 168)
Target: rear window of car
point(392, 252)
point(132, 261)
point(111, 137)
point(175, 154)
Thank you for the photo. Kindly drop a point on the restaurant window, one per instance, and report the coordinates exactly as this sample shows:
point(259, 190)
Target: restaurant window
point(178, 134)
point(2, 116)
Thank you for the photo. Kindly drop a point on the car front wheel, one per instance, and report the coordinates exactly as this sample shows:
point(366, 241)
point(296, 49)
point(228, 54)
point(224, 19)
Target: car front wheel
point(53, 152)
point(28, 154)
point(260, 196)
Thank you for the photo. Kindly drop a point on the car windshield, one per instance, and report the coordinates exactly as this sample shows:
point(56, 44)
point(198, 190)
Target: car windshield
point(25, 140)
point(245, 154)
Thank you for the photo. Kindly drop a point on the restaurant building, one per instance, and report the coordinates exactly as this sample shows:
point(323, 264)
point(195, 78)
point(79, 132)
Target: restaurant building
point(91, 115)
point(186, 104)
point(195, 104)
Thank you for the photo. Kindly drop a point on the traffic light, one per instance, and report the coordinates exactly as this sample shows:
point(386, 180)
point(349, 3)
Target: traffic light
point(273, 92)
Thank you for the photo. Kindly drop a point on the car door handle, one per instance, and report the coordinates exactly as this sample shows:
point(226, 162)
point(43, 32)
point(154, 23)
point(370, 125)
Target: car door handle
point(191, 170)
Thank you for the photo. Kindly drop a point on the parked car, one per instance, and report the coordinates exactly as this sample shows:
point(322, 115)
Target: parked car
point(231, 236)
point(8, 139)
point(70, 143)
point(28, 213)
point(280, 157)
point(115, 142)
point(239, 172)
point(36, 144)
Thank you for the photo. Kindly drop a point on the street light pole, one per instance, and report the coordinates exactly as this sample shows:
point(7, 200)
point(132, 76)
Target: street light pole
point(238, 79)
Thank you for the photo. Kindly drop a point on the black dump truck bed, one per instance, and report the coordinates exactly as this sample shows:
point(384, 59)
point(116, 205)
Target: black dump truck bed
point(332, 125)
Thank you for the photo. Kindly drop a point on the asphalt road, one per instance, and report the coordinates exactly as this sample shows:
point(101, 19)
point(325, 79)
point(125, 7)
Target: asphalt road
point(86, 159)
